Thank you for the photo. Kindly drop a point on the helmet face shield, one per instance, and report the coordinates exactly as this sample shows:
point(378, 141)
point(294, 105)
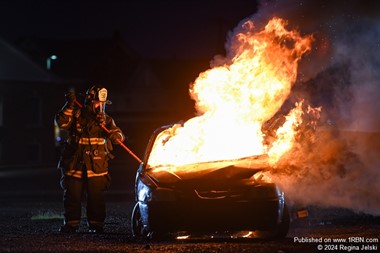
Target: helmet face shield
point(98, 107)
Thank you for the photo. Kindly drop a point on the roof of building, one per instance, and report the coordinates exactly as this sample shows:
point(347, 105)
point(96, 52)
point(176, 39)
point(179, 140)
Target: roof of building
point(16, 66)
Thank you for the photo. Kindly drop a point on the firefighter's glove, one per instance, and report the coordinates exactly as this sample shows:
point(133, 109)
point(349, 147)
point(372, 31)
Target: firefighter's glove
point(116, 138)
point(70, 98)
point(101, 118)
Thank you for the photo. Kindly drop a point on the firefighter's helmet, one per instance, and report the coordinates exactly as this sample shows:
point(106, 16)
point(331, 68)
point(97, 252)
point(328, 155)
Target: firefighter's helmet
point(96, 99)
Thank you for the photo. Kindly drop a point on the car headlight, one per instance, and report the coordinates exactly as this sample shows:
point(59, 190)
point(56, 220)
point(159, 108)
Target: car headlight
point(144, 193)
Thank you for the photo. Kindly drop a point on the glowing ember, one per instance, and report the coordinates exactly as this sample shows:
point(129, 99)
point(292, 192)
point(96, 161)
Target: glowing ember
point(235, 98)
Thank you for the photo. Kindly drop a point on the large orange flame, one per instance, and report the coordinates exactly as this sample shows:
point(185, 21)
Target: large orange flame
point(235, 98)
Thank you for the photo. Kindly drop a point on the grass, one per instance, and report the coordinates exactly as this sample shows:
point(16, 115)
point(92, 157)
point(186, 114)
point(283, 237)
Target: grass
point(47, 215)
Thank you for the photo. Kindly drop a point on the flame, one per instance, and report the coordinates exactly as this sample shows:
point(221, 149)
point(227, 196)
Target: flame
point(236, 97)
point(285, 134)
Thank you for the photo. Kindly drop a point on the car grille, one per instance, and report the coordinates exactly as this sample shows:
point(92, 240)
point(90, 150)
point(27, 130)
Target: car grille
point(218, 194)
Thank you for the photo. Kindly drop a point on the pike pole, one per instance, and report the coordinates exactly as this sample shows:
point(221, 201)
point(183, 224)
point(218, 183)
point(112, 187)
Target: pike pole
point(119, 141)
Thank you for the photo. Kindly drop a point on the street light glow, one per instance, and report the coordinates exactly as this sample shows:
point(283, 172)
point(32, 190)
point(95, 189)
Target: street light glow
point(49, 59)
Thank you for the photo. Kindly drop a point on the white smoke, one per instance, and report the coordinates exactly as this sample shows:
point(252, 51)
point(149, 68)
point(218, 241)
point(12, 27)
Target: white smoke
point(361, 48)
point(338, 165)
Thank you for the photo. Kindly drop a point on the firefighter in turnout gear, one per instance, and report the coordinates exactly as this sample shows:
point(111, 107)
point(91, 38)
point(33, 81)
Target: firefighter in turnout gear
point(84, 160)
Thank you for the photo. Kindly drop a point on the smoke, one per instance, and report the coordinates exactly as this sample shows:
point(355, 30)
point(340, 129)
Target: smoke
point(336, 164)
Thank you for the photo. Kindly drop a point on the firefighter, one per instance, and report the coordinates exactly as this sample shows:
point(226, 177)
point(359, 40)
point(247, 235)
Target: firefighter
point(85, 156)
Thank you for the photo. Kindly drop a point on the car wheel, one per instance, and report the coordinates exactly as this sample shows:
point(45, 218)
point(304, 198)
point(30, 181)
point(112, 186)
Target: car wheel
point(137, 225)
point(283, 227)
point(280, 231)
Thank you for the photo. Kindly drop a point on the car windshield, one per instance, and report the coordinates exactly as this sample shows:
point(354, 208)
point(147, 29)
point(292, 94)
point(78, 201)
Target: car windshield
point(155, 160)
point(221, 172)
point(235, 168)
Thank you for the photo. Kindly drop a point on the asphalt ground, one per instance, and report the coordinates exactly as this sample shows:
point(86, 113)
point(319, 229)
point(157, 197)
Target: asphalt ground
point(31, 215)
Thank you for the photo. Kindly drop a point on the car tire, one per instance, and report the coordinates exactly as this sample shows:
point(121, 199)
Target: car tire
point(278, 232)
point(137, 226)
point(283, 227)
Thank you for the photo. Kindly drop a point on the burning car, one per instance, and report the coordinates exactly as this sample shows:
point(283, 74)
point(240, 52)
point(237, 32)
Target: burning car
point(225, 196)
point(211, 173)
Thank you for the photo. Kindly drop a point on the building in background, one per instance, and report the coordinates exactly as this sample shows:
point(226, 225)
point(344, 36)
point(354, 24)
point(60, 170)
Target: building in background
point(28, 100)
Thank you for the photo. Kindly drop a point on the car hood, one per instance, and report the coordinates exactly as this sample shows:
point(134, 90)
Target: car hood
point(206, 173)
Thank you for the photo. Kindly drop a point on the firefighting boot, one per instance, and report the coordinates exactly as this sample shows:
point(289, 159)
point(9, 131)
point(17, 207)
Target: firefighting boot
point(95, 227)
point(96, 230)
point(68, 229)
point(70, 226)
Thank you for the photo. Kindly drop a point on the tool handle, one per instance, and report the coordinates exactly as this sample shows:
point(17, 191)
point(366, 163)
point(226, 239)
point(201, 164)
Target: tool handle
point(122, 144)
point(78, 104)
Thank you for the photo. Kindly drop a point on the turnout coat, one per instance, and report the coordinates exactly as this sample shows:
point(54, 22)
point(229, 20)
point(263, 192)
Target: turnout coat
point(88, 148)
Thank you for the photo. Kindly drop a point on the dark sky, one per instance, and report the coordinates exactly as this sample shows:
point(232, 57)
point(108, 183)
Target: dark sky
point(158, 27)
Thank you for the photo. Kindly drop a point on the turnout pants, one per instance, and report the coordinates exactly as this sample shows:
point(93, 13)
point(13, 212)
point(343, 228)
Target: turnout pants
point(88, 190)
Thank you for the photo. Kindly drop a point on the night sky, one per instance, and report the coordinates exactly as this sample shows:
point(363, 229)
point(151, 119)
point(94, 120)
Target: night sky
point(186, 28)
